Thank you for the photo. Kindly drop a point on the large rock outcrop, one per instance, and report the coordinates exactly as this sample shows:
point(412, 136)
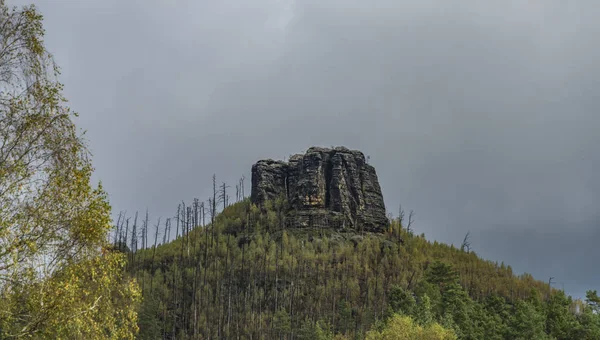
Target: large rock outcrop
point(324, 188)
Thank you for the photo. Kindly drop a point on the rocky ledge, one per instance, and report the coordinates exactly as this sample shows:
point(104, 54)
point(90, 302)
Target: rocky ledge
point(324, 188)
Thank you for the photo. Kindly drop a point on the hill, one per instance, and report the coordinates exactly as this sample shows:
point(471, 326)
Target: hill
point(311, 255)
point(243, 276)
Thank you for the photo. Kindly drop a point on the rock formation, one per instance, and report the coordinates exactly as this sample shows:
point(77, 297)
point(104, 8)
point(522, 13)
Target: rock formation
point(324, 188)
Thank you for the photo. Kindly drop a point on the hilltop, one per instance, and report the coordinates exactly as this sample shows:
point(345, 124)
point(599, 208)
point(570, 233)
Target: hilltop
point(324, 188)
point(249, 273)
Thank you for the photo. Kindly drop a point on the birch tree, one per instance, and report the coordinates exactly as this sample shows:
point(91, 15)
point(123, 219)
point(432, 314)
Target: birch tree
point(57, 277)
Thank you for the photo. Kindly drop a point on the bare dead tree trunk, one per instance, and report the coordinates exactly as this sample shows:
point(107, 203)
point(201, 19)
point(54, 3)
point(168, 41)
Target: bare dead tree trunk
point(165, 239)
point(466, 244)
point(188, 227)
point(143, 232)
point(144, 237)
point(213, 206)
point(183, 223)
point(126, 233)
point(223, 195)
point(400, 216)
point(177, 216)
point(154, 254)
point(411, 216)
point(206, 245)
point(146, 221)
point(181, 261)
point(117, 228)
point(169, 230)
point(196, 213)
point(242, 185)
point(119, 244)
point(214, 199)
point(212, 220)
point(228, 273)
point(134, 240)
point(196, 268)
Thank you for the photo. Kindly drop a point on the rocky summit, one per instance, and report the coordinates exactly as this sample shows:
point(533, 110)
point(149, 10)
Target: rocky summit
point(324, 188)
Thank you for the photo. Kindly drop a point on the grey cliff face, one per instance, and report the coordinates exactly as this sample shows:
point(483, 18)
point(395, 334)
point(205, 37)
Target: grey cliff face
point(324, 188)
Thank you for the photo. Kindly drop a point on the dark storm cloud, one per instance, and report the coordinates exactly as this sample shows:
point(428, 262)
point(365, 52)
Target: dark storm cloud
point(480, 116)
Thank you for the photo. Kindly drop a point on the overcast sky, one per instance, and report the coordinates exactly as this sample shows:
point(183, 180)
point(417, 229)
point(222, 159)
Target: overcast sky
point(481, 116)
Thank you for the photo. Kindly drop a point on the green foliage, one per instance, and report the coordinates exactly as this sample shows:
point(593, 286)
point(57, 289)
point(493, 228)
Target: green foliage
point(281, 323)
point(405, 328)
point(261, 280)
point(87, 299)
point(57, 278)
point(401, 301)
point(560, 322)
point(311, 330)
point(149, 319)
point(423, 313)
point(528, 322)
point(593, 300)
point(589, 325)
point(441, 274)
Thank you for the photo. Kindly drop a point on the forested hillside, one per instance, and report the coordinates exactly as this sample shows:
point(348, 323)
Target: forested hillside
point(246, 276)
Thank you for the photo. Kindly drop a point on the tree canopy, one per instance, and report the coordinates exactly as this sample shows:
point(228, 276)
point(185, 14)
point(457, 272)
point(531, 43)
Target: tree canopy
point(57, 279)
point(244, 275)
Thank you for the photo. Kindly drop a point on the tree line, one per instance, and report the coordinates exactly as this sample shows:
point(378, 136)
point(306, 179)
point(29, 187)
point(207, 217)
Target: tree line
point(245, 275)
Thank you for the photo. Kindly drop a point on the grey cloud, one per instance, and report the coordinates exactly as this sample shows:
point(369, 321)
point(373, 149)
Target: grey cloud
point(480, 116)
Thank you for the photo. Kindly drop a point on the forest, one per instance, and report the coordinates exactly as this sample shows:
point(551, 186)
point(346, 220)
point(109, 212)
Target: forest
point(241, 273)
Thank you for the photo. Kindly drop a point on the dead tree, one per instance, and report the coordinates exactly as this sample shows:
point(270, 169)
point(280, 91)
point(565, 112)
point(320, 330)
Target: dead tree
point(400, 216)
point(188, 227)
point(181, 221)
point(118, 235)
point(120, 231)
point(242, 186)
point(183, 226)
point(154, 254)
point(211, 210)
point(144, 230)
point(466, 244)
point(177, 225)
point(165, 239)
point(196, 221)
point(146, 221)
point(223, 195)
point(134, 241)
point(142, 233)
point(117, 227)
point(126, 233)
point(169, 230)
point(411, 220)
point(213, 203)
